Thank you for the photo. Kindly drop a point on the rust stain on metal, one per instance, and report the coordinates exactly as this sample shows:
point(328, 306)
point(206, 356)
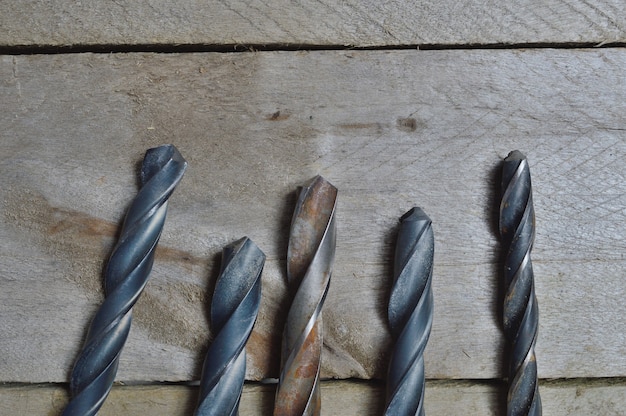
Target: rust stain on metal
point(309, 225)
point(309, 355)
point(309, 264)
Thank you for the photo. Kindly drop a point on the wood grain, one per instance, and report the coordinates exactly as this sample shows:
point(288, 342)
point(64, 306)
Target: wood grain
point(389, 129)
point(579, 398)
point(310, 22)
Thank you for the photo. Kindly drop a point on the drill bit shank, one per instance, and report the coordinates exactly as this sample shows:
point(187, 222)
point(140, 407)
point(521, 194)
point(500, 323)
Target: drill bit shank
point(124, 280)
point(521, 313)
point(410, 314)
point(234, 310)
point(310, 258)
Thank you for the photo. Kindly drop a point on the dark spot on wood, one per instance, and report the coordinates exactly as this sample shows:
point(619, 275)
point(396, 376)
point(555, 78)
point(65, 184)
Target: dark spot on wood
point(408, 124)
point(277, 116)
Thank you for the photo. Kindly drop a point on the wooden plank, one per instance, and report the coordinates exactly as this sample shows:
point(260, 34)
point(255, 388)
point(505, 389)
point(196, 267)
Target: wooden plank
point(339, 398)
point(390, 129)
point(310, 22)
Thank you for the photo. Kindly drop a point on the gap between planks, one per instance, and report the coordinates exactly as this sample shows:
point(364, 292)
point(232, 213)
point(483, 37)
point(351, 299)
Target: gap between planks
point(560, 397)
point(281, 47)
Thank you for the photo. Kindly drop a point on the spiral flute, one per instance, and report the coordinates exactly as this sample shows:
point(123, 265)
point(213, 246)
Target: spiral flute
point(234, 310)
point(124, 279)
point(310, 258)
point(521, 313)
point(410, 314)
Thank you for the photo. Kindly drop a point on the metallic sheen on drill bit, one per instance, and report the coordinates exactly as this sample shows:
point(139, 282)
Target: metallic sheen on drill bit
point(310, 258)
point(234, 310)
point(124, 279)
point(521, 313)
point(410, 314)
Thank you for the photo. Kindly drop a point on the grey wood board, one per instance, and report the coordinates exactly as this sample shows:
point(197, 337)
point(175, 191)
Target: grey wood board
point(310, 22)
point(580, 398)
point(391, 129)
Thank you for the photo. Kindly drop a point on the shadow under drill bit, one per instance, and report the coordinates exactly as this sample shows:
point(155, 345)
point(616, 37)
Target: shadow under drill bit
point(494, 197)
point(214, 272)
point(279, 317)
point(390, 241)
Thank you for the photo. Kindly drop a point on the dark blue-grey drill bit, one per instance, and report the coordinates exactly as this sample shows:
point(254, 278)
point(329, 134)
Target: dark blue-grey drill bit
point(410, 314)
point(234, 310)
point(310, 258)
point(124, 279)
point(521, 313)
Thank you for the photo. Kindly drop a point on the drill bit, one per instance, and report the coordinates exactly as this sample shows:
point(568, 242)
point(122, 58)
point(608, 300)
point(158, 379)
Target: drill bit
point(521, 313)
point(310, 258)
point(234, 310)
point(124, 279)
point(410, 314)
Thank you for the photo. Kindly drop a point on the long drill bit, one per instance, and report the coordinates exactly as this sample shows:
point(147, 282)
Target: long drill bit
point(410, 314)
point(310, 258)
point(521, 313)
point(124, 279)
point(234, 310)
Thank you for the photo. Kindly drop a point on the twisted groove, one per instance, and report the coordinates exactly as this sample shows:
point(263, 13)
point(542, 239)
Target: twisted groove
point(234, 310)
point(125, 277)
point(309, 266)
point(521, 312)
point(410, 314)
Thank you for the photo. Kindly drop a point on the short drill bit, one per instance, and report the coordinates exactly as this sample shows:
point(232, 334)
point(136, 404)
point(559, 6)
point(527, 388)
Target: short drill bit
point(410, 314)
point(124, 279)
point(521, 313)
point(310, 258)
point(234, 310)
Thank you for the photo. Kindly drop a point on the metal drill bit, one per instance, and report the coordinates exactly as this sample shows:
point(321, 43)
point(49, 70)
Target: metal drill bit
point(310, 258)
point(234, 310)
point(124, 279)
point(410, 314)
point(521, 313)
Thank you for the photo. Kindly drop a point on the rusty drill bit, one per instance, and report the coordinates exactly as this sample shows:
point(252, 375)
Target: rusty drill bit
point(310, 258)
point(521, 313)
point(410, 314)
point(234, 310)
point(124, 279)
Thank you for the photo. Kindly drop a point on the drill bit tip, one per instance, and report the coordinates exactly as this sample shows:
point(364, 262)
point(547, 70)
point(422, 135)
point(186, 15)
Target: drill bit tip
point(521, 312)
point(156, 157)
point(310, 222)
point(515, 155)
point(414, 214)
point(310, 257)
point(410, 313)
point(234, 309)
point(125, 277)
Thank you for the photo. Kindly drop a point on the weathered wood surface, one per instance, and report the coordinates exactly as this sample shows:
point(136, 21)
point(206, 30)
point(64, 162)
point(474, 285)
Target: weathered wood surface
point(340, 398)
point(310, 22)
point(390, 129)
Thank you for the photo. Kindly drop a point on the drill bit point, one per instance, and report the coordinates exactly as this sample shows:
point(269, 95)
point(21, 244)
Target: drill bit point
point(234, 309)
point(515, 155)
point(157, 157)
point(310, 257)
point(414, 214)
point(521, 313)
point(125, 277)
point(410, 313)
